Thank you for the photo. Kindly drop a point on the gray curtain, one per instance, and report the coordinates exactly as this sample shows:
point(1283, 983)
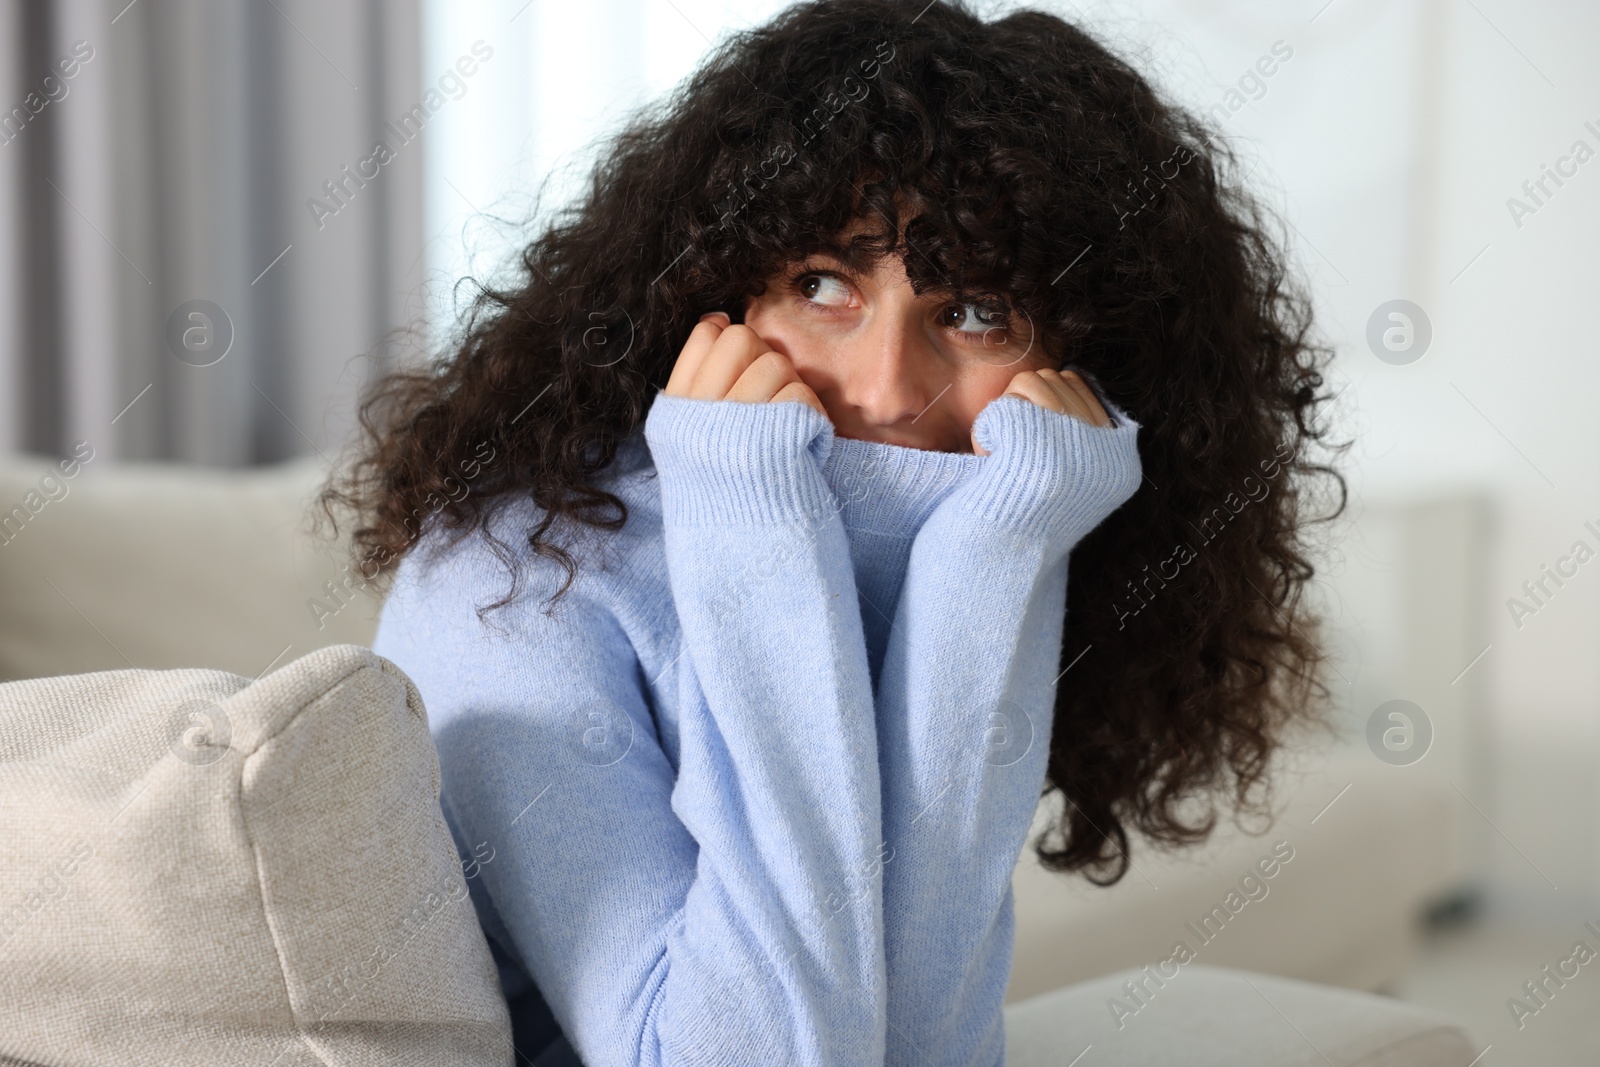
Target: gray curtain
point(169, 289)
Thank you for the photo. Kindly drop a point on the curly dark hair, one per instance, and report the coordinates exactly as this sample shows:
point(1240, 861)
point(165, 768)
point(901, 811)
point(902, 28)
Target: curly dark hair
point(1017, 156)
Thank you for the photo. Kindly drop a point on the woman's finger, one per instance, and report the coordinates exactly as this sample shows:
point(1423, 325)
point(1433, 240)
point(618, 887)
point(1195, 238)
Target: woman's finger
point(694, 351)
point(1031, 386)
point(1057, 392)
point(798, 390)
point(723, 361)
point(735, 349)
point(771, 378)
point(1067, 401)
point(1083, 402)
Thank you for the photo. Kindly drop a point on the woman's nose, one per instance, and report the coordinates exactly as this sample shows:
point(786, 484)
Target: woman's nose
point(886, 369)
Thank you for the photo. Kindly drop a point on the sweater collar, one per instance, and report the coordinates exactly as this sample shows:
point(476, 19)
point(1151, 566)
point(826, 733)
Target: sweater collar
point(892, 489)
point(881, 488)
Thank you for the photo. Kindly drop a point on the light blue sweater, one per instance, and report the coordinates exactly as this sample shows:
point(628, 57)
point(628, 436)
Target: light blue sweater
point(754, 791)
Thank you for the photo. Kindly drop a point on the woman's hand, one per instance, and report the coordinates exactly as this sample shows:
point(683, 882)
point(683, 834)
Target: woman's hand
point(721, 361)
point(1064, 392)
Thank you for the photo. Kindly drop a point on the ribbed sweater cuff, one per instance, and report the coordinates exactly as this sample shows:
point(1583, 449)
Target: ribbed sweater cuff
point(727, 462)
point(1051, 475)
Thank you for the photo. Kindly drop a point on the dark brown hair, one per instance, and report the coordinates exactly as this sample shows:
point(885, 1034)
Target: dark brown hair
point(1017, 156)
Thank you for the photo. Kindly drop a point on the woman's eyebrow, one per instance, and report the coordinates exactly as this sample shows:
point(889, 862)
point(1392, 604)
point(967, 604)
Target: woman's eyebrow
point(852, 259)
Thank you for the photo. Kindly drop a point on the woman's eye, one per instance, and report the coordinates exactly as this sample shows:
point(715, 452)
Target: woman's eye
point(972, 318)
point(822, 289)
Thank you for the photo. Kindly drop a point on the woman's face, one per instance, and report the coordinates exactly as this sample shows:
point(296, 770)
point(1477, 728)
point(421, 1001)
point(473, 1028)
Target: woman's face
point(891, 366)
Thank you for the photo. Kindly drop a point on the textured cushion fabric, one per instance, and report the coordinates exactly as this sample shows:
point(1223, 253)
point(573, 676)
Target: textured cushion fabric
point(163, 565)
point(1218, 1017)
point(197, 868)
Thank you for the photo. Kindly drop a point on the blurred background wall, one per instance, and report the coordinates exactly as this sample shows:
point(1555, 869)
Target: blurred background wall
point(157, 163)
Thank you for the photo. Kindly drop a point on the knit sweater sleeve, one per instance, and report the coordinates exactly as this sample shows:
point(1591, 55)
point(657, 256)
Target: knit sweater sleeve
point(724, 911)
point(778, 780)
point(965, 714)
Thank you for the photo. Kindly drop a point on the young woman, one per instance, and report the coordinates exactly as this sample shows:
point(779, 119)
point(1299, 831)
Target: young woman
point(891, 330)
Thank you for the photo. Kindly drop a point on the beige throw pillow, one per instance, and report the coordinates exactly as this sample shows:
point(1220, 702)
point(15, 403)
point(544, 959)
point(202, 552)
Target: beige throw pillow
point(197, 868)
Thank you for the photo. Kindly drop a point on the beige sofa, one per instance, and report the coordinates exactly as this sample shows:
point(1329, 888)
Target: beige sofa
point(185, 930)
